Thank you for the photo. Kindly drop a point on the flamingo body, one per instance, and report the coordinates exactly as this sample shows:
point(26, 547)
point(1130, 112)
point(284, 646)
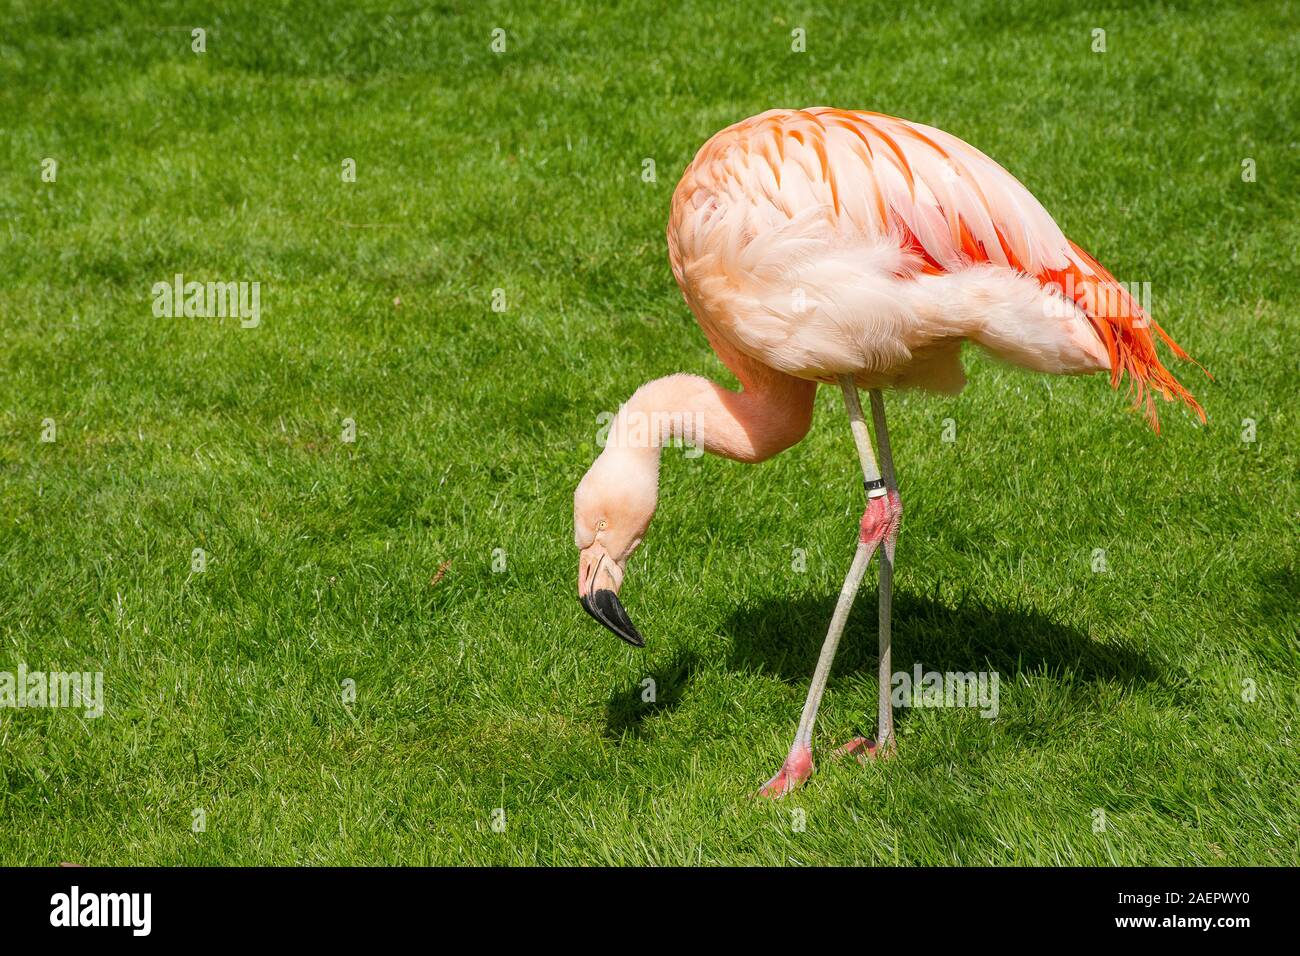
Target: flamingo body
point(824, 242)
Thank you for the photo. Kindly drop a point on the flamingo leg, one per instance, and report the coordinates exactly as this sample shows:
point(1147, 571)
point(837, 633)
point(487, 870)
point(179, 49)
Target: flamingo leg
point(885, 712)
point(879, 526)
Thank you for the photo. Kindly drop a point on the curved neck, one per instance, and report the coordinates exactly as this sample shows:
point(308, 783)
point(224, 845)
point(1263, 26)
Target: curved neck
point(701, 416)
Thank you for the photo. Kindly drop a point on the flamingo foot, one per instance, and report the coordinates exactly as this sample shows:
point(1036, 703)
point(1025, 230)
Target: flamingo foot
point(863, 749)
point(797, 768)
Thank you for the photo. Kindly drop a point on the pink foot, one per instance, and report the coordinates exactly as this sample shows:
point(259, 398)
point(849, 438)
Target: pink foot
point(797, 768)
point(863, 749)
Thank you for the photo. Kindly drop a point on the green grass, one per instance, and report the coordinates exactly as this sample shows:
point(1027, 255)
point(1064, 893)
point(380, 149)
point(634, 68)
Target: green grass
point(478, 690)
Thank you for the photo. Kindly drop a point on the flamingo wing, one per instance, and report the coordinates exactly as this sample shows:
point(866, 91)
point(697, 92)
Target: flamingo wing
point(948, 206)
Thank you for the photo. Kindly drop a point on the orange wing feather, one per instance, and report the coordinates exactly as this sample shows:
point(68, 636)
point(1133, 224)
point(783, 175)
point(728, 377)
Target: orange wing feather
point(1121, 324)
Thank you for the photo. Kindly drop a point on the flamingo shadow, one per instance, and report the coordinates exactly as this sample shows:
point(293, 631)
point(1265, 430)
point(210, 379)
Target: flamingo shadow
point(783, 636)
point(628, 708)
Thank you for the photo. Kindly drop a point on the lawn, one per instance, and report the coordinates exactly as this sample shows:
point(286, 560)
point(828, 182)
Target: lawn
point(378, 656)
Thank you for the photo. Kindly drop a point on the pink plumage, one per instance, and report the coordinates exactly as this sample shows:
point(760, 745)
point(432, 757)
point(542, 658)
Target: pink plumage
point(821, 242)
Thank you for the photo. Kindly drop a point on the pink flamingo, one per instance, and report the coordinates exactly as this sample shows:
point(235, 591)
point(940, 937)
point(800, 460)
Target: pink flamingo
point(848, 247)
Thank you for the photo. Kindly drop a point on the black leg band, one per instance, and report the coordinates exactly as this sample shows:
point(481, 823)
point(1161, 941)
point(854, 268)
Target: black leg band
point(874, 485)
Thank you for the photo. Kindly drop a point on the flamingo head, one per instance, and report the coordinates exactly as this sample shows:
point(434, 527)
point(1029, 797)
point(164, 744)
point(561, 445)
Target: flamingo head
point(612, 508)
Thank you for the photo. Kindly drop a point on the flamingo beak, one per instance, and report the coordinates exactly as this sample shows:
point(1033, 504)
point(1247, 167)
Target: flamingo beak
point(599, 579)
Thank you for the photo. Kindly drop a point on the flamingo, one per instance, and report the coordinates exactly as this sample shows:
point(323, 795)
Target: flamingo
point(855, 249)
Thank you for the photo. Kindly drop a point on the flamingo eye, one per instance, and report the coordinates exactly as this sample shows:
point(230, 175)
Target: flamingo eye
point(600, 525)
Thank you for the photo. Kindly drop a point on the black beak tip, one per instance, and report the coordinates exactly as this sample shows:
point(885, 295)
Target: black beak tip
point(604, 606)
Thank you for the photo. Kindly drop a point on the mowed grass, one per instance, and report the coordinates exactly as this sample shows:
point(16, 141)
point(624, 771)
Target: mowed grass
point(1161, 692)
